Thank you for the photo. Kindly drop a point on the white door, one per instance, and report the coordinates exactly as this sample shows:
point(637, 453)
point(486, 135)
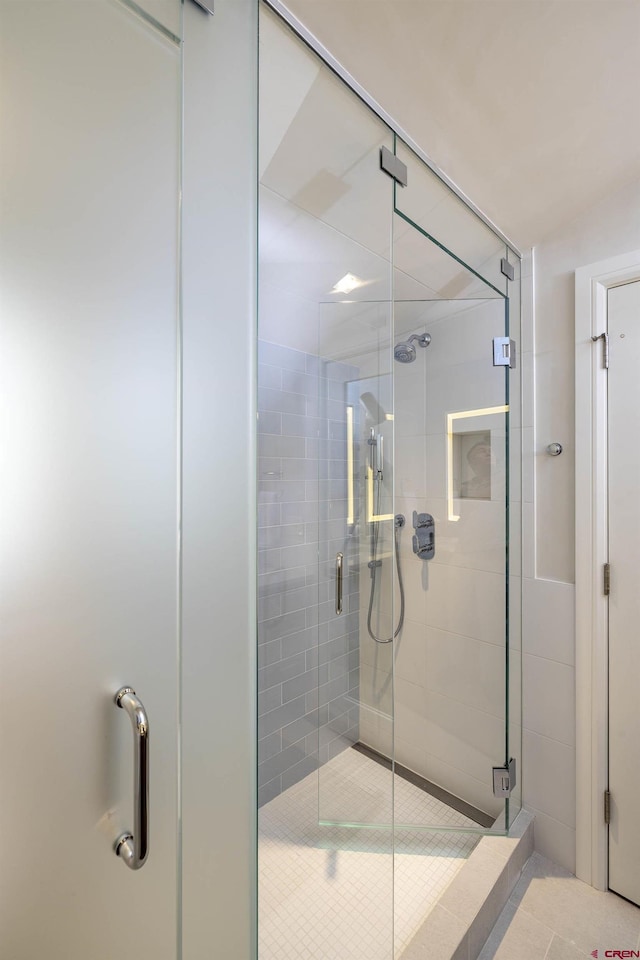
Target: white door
point(88, 253)
point(624, 601)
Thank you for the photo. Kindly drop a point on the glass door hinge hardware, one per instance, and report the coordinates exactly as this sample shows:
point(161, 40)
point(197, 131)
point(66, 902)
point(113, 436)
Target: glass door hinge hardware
point(504, 352)
point(607, 806)
point(206, 5)
point(504, 779)
point(606, 579)
point(507, 269)
point(393, 166)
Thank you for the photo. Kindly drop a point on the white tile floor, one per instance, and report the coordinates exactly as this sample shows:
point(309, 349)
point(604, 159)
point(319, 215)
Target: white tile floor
point(327, 892)
point(553, 916)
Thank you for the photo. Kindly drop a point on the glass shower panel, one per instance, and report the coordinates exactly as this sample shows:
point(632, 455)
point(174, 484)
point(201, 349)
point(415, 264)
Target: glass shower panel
point(473, 247)
point(451, 480)
point(356, 787)
point(324, 318)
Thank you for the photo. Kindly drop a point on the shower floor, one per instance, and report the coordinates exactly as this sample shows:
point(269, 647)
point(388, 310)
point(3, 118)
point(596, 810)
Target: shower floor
point(327, 892)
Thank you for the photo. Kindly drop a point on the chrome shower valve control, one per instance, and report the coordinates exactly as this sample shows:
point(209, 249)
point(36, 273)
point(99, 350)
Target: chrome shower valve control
point(424, 540)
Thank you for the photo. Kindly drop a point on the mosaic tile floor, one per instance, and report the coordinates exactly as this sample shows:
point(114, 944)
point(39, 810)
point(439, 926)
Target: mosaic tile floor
point(327, 892)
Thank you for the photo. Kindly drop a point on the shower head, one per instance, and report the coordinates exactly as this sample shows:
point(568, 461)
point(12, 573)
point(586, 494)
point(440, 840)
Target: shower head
point(406, 352)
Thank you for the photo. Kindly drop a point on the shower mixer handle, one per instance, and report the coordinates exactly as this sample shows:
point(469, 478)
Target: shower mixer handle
point(424, 540)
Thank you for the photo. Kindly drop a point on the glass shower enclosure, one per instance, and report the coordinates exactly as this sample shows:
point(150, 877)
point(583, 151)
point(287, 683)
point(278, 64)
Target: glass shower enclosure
point(389, 519)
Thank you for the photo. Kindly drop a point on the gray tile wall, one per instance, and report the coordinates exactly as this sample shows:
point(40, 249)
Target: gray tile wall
point(308, 658)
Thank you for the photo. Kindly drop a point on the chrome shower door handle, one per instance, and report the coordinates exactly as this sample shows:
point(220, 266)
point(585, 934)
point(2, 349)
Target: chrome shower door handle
point(133, 848)
point(339, 562)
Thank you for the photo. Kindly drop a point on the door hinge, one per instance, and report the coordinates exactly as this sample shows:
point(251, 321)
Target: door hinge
point(607, 806)
point(507, 269)
point(606, 579)
point(393, 166)
point(504, 352)
point(605, 348)
point(504, 779)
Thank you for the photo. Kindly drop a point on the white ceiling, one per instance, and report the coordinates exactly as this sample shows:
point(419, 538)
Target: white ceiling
point(531, 106)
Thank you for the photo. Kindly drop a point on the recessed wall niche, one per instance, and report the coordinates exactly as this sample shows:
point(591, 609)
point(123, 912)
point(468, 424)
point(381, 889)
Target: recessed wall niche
point(473, 465)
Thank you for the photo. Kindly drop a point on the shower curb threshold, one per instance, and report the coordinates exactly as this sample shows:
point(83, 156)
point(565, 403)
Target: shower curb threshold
point(460, 923)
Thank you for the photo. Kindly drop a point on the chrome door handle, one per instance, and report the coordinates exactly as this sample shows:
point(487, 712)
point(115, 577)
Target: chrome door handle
point(339, 559)
point(134, 848)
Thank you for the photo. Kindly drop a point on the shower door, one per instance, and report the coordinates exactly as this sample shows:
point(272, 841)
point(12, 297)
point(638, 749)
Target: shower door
point(452, 420)
point(426, 537)
point(89, 499)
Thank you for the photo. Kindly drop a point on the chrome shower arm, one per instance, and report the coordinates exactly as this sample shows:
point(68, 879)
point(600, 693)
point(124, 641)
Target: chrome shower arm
point(424, 339)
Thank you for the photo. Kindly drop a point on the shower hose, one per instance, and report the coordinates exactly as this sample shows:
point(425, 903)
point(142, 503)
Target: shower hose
point(398, 523)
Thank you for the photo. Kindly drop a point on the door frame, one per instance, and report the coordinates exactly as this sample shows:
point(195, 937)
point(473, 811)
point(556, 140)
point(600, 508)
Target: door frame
point(592, 283)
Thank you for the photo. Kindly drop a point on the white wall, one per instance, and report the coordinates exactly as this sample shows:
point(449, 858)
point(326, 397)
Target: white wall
point(609, 228)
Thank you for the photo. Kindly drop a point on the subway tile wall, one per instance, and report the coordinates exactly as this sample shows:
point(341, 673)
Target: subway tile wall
point(308, 658)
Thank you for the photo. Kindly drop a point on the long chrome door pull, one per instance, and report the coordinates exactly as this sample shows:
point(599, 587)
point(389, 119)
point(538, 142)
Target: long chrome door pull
point(133, 849)
point(339, 560)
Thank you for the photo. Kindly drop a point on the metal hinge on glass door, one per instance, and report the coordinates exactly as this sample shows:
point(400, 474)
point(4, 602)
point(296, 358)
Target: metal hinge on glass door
point(507, 269)
point(393, 166)
point(504, 779)
point(504, 352)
